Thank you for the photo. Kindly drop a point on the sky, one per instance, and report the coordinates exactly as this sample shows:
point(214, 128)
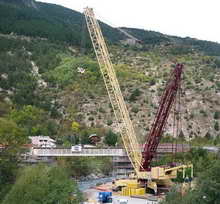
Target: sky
point(185, 18)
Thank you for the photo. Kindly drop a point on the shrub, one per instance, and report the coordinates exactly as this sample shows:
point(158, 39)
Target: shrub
point(135, 109)
point(111, 138)
point(90, 118)
point(216, 126)
point(109, 122)
point(217, 115)
point(134, 95)
point(101, 110)
point(208, 136)
point(203, 113)
point(43, 184)
point(152, 82)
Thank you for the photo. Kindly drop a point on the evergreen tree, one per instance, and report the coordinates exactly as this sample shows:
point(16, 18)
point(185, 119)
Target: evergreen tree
point(216, 126)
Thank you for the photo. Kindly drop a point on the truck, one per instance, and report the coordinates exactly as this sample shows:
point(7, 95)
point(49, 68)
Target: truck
point(105, 197)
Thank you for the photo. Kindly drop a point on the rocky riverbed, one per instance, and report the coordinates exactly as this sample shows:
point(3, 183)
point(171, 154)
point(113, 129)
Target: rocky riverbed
point(90, 183)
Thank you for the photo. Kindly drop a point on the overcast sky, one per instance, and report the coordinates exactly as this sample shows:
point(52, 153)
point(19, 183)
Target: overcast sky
point(193, 18)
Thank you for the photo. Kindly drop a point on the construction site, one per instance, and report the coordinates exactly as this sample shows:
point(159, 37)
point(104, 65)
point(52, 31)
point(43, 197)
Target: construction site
point(145, 178)
point(135, 177)
point(96, 112)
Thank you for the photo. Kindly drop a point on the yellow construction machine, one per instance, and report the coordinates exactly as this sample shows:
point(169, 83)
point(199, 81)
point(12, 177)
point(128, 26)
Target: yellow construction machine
point(145, 175)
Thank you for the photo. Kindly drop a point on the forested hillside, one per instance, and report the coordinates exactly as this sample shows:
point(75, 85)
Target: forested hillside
point(57, 23)
point(49, 21)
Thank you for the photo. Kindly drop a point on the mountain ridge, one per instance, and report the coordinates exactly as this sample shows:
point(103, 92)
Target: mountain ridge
point(29, 3)
point(60, 24)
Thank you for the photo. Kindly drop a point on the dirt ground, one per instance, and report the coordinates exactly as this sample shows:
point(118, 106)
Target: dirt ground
point(92, 195)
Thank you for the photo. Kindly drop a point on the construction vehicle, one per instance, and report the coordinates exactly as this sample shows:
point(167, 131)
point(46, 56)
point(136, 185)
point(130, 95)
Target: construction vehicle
point(145, 175)
point(105, 197)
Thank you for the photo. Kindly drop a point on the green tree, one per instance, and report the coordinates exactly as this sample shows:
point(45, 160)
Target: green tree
point(88, 164)
point(152, 81)
point(79, 166)
point(200, 158)
point(75, 126)
point(209, 184)
point(208, 135)
point(43, 184)
point(173, 197)
point(217, 140)
point(134, 95)
point(12, 137)
point(206, 191)
point(10, 134)
point(216, 126)
point(84, 136)
point(135, 109)
point(111, 138)
point(4, 108)
point(216, 115)
point(181, 136)
point(34, 120)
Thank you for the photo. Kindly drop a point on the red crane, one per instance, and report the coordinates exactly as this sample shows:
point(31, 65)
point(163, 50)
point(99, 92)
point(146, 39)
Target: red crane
point(160, 120)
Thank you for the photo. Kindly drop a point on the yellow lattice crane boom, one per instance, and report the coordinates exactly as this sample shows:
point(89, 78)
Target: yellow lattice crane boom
point(118, 104)
point(121, 112)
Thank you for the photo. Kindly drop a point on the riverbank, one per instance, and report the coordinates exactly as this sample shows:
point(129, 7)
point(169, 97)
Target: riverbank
point(88, 184)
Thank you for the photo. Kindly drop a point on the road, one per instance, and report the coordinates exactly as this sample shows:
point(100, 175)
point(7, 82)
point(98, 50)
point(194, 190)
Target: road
point(133, 200)
point(92, 195)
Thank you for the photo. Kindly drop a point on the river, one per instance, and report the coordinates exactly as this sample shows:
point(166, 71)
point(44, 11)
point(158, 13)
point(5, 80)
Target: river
point(85, 185)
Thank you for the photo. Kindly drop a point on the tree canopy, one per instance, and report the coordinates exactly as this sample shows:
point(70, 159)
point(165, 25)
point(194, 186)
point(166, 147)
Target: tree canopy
point(43, 184)
point(206, 190)
point(12, 137)
point(111, 138)
point(35, 121)
point(11, 134)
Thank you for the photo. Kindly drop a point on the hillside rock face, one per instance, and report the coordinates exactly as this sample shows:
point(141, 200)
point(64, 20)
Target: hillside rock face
point(142, 76)
point(30, 3)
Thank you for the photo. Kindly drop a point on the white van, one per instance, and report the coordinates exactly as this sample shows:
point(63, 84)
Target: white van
point(76, 148)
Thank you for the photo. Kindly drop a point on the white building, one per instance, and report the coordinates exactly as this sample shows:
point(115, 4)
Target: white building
point(43, 141)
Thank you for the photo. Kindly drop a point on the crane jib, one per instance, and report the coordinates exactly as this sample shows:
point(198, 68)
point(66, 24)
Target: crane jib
point(161, 117)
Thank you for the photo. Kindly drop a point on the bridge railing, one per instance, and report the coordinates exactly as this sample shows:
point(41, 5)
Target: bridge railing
point(84, 152)
point(163, 148)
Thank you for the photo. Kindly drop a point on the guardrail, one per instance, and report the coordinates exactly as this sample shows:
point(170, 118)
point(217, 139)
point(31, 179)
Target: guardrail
point(84, 152)
point(162, 148)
